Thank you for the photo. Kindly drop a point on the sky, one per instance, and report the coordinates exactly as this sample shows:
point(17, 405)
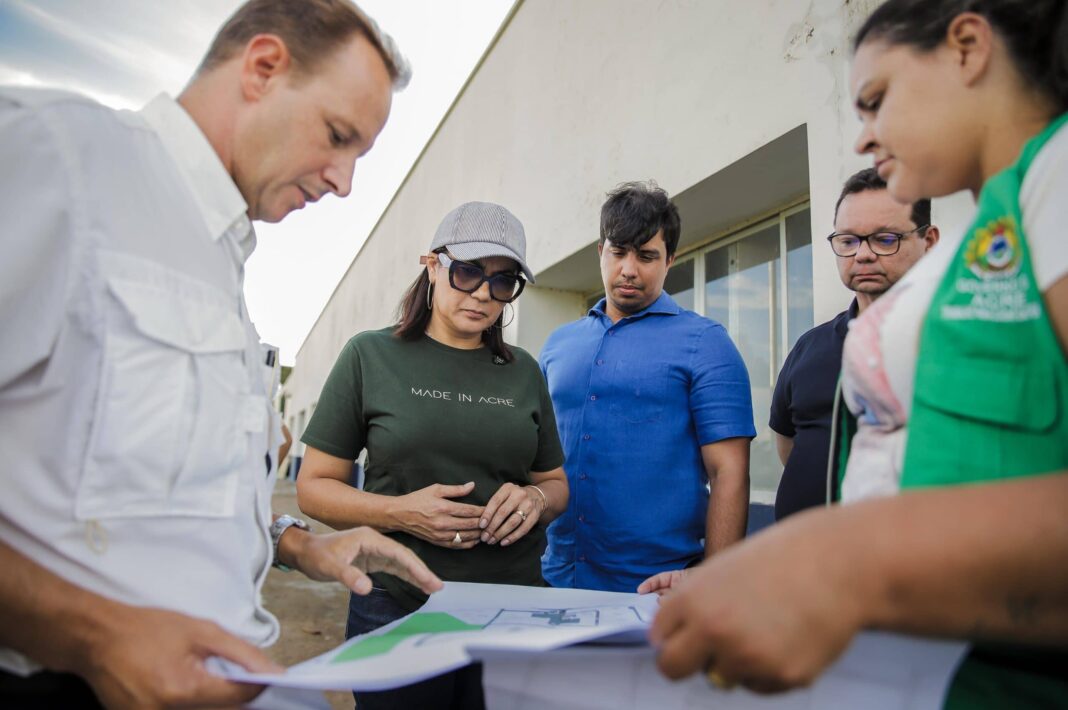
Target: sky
point(124, 52)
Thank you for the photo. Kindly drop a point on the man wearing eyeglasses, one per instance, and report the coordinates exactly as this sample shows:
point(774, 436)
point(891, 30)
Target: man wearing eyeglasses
point(875, 242)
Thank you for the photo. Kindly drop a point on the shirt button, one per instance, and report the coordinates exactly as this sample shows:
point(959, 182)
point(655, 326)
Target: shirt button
point(600, 362)
point(586, 437)
point(582, 518)
point(582, 558)
point(582, 476)
point(593, 398)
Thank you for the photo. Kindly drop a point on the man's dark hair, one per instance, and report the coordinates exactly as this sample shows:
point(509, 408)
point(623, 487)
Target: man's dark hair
point(635, 211)
point(868, 179)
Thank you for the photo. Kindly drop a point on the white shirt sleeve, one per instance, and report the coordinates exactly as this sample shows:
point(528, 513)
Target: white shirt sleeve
point(1044, 202)
point(35, 240)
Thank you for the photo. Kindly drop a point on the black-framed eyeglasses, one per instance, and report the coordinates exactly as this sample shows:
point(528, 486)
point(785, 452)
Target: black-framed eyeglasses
point(467, 277)
point(880, 243)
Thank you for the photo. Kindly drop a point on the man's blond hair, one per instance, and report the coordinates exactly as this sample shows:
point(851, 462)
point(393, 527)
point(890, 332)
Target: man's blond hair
point(311, 30)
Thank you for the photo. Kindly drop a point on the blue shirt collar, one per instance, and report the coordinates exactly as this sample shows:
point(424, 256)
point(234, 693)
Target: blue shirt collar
point(665, 305)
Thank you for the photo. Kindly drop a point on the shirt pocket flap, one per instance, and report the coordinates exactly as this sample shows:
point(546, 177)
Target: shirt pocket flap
point(184, 323)
point(1012, 395)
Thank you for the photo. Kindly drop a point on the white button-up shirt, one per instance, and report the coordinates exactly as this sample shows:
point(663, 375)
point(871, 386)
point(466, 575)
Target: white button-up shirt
point(134, 418)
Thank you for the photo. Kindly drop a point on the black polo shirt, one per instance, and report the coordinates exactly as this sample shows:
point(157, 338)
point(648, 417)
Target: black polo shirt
point(801, 408)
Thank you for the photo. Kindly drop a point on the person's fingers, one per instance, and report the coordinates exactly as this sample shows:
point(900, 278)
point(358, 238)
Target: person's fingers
point(402, 562)
point(508, 527)
point(520, 531)
point(503, 513)
point(214, 641)
point(213, 691)
point(667, 620)
point(396, 559)
point(654, 583)
point(453, 491)
point(682, 653)
point(462, 513)
point(493, 505)
point(353, 578)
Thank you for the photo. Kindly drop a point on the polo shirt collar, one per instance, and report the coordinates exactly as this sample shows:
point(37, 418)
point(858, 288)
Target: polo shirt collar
point(664, 304)
point(221, 204)
point(842, 323)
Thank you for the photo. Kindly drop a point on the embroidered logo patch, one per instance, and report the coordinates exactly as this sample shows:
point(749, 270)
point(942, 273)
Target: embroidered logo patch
point(994, 251)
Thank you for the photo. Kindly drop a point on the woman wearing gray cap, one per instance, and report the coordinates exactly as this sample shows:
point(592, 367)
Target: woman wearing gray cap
point(463, 458)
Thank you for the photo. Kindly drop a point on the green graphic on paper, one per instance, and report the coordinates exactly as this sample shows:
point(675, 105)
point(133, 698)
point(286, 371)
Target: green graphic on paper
point(431, 622)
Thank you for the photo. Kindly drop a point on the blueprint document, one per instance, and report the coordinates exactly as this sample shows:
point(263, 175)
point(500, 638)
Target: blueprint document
point(461, 621)
point(528, 640)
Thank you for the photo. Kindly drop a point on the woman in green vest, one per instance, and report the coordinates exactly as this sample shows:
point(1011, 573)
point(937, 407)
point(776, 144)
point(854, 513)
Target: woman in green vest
point(463, 456)
point(956, 486)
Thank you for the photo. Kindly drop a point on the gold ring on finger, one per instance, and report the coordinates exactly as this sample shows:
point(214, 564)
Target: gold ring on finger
point(718, 679)
point(521, 514)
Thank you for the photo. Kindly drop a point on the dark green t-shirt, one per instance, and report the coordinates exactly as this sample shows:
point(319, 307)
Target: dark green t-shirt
point(428, 413)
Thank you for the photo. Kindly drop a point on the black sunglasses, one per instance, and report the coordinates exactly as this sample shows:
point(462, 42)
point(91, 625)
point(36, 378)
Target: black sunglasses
point(467, 277)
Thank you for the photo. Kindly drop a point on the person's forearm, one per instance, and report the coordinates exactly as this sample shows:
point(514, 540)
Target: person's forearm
point(980, 562)
point(556, 495)
point(342, 506)
point(46, 618)
point(728, 510)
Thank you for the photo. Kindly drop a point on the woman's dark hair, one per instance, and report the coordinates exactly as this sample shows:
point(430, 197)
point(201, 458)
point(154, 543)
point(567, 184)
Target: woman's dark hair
point(413, 317)
point(1035, 31)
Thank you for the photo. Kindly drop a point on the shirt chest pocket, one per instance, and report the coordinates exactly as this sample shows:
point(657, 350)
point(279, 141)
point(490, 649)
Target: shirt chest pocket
point(169, 433)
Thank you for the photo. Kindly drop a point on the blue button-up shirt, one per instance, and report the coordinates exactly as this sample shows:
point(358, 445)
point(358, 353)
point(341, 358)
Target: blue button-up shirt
point(635, 401)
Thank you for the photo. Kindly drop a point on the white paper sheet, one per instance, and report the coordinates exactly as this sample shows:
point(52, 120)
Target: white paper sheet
point(878, 672)
point(462, 619)
point(527, 636)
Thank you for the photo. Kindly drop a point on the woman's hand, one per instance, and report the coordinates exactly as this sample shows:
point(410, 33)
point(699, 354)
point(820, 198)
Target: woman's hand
point(511, 513)
point(769, 613)
point(429, 515)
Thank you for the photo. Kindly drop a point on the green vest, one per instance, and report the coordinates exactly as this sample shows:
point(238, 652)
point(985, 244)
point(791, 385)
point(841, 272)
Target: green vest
point(991, 379)
point(989, 403)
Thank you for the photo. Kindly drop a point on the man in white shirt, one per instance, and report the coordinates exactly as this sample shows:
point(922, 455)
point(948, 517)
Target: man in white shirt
point(134, 418)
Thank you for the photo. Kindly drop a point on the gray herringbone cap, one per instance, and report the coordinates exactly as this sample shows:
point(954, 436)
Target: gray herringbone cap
point(475, 230)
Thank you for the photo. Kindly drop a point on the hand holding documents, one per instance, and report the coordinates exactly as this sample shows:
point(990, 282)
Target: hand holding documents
point(530, 641)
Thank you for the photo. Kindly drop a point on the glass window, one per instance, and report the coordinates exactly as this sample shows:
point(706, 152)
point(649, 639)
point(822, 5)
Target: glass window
point(679, 283)
point(717, 290)
point(798, 276)
point(765, 302)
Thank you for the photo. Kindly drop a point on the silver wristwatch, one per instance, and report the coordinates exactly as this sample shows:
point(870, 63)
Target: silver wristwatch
point(279, 526)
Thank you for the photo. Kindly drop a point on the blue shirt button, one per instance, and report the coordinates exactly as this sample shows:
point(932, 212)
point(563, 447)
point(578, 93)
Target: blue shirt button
point(586, 437)
point(582, 476)
point(582, 518)
point(593, 397)
point(600, 362)
point(582, 558)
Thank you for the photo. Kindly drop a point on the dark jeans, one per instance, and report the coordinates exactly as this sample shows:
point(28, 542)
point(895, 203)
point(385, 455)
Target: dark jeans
point(46, 690)
point(457, 690)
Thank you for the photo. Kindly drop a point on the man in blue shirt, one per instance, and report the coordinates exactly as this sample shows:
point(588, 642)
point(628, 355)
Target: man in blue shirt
point(654, 409)
point(876, 241)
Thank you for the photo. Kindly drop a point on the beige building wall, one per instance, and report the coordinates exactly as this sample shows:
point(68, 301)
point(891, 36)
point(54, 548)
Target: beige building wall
point(737, 108)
